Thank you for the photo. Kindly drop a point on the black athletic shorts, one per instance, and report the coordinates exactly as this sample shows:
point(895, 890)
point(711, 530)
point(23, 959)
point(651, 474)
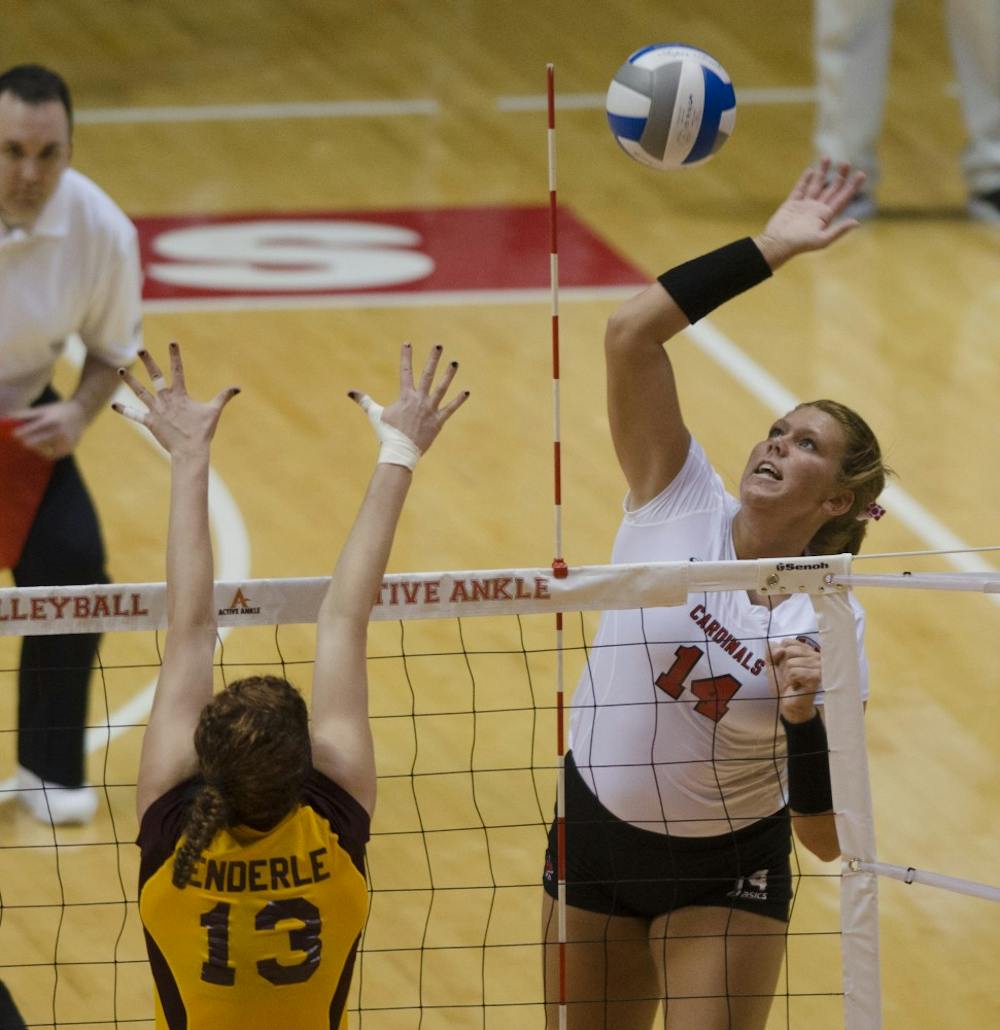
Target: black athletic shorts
point(615, 868)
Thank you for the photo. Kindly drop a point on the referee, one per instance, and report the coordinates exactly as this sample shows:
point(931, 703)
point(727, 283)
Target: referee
point(68, 264)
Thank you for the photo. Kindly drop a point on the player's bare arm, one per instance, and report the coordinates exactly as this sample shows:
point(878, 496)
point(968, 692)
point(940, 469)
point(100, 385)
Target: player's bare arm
point(184, 427)
point(342, 742)
point(647, 427)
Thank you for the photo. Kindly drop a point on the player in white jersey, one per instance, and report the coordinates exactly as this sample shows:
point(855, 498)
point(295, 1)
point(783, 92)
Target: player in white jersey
point(696, 734)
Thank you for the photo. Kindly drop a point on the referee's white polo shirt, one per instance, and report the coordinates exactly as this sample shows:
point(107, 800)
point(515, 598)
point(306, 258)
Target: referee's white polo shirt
point(76, 271)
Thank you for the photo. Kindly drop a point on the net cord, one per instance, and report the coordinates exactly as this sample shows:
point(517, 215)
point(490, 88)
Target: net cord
point(927, 553)
point(908, 875)
point(979, 582)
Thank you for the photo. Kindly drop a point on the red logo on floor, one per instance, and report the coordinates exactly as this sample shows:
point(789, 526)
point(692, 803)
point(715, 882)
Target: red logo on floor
point(449, 249)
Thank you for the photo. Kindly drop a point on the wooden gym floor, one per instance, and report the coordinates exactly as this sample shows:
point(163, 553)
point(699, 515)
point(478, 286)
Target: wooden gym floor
point(899, 321)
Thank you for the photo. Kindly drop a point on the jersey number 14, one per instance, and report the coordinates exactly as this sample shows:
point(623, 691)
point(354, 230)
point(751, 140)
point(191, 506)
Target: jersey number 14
point(714, 692)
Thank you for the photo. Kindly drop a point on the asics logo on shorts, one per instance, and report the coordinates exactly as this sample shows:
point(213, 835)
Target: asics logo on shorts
point(550, 872)
point(753, 887)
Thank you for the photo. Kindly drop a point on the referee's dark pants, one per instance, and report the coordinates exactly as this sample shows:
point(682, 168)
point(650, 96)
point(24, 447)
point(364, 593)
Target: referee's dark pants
point(64, 547)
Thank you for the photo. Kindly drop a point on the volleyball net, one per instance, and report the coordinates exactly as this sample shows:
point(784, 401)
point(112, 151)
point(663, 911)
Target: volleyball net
point(465, 689)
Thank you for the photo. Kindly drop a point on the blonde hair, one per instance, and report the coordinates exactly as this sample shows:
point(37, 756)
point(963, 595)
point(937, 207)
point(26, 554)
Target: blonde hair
point(862, 471)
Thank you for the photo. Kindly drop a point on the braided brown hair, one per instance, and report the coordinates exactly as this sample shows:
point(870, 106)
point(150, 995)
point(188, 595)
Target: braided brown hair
point(253, 749)
point(862, 471)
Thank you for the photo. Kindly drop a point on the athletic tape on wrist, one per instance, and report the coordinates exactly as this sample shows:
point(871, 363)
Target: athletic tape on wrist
point(809, 788)
point(396, 447)
point(701, 285)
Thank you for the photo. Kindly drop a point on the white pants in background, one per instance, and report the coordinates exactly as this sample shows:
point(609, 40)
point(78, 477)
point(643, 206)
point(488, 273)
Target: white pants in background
point(852, 42)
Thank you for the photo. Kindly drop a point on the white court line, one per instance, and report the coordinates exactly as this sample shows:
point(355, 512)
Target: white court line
point(232, 544)
point(429, 299)
point(254, 112)
point(376, 108)
point(597, 101)
point(749, 96)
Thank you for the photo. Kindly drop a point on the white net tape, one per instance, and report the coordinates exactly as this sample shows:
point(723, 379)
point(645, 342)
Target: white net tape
point(425, 595)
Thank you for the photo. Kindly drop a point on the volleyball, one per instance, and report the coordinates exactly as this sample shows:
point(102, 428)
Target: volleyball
point(671, 106)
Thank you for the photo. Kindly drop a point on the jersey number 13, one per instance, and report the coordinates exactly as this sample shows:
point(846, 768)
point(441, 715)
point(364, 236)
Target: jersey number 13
point(304, 938)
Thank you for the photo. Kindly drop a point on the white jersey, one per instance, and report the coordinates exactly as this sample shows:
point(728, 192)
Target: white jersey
point(75, 271)
point(674, 723)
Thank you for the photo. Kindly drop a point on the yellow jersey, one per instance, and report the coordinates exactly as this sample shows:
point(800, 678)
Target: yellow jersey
point(266, 932)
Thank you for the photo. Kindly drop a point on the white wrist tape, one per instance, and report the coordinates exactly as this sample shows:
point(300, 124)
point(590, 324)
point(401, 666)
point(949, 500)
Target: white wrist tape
point(396, 447)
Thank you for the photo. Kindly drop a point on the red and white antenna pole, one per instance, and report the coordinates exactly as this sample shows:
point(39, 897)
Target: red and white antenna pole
point(559, 567)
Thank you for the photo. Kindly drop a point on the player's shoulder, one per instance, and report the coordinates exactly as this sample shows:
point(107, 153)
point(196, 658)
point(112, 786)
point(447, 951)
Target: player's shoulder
point(341, 813)
point(335, 804)
point(91, 204)
point(697, 487)
point(698, 476)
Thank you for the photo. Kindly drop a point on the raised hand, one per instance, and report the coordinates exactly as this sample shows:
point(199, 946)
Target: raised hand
point(180, 424)
point(417, 415)
point(808, 218)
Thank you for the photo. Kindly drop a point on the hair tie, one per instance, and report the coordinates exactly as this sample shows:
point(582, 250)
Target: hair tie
point(873, 511)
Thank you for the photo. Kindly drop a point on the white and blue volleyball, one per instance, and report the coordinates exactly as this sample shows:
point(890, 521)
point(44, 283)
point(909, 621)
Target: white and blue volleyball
point(671, 106)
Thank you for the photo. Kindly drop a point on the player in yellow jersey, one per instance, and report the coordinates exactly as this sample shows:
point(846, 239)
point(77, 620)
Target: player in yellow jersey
point(253, 822)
